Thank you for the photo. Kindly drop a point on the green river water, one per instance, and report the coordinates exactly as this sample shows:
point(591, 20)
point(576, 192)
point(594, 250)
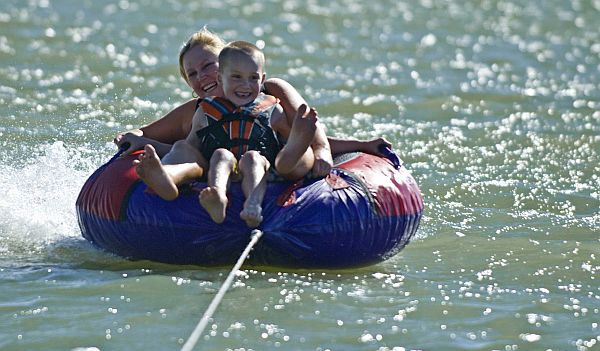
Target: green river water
point(494, 106)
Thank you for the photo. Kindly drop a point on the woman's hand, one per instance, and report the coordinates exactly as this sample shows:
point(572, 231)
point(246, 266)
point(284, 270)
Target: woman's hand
point(372, 146)
point(130, 141)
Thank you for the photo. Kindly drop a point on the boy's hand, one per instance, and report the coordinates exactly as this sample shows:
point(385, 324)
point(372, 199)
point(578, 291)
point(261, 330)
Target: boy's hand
point(323, 162)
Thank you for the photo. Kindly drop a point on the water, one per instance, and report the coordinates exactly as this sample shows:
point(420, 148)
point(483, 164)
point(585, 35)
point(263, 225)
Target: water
point(493, 105)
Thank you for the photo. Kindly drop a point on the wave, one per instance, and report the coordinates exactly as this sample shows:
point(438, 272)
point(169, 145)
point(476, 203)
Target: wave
point(37, 207)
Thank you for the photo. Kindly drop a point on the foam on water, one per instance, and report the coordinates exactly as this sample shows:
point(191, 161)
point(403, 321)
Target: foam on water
point(37, 209)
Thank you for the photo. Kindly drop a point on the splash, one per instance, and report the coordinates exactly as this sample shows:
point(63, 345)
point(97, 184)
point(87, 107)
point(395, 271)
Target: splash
point(37, 209)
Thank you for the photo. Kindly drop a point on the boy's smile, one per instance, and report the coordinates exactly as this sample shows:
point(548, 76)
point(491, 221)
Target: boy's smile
point(241, 79)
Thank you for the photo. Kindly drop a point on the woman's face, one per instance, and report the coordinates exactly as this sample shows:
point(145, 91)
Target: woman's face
point(201, 67)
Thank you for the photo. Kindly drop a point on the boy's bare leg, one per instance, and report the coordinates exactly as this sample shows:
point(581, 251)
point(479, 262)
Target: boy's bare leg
point(294, 153)
point(183, 152)
point(214, 197)
point(254, 168)
point(163, 179)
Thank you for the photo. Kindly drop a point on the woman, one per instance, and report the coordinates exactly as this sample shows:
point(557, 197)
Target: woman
point(198, 66)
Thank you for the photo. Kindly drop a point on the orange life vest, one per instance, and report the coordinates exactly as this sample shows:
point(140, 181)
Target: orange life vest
point(239, 129)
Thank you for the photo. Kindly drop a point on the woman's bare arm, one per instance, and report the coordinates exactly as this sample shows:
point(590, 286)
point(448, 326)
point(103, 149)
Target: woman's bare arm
point(173, 126)
point(161, 133)
point(340, 146)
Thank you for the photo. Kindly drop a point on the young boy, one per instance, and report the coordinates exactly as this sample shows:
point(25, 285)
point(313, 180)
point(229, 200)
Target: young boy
point(239, 135)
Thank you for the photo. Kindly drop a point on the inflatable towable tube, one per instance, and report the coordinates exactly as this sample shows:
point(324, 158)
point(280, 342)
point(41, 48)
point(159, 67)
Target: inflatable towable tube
point(365, 211)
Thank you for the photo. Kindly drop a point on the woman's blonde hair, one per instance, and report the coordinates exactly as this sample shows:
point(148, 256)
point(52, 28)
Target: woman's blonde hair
point(208, 40)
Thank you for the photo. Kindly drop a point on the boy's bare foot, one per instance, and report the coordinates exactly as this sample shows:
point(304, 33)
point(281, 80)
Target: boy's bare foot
point(301, 136)
point(251, 214)
point(215, 203)
point(151, 171)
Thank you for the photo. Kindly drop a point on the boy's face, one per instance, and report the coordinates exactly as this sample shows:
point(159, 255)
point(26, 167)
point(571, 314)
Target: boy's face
point(241, 79)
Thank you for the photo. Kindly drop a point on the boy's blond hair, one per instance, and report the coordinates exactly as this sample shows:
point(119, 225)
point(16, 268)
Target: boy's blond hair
point(236, 48)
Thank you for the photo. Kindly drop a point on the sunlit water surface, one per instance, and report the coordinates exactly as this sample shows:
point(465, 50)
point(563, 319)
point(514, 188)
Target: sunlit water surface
point(493, 105)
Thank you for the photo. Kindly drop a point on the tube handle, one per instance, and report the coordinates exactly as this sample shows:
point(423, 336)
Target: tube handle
point(390, 154)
